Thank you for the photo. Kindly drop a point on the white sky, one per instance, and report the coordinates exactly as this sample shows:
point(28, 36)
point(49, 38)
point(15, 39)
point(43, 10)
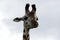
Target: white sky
point(48, 12)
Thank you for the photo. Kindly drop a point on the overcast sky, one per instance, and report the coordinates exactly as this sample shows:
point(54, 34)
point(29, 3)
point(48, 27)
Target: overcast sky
point(48, 12)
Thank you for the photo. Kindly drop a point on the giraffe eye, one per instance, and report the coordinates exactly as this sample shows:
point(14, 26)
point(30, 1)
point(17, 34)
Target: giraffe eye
point(25, 18)
point(37, 18)
point(24, 30)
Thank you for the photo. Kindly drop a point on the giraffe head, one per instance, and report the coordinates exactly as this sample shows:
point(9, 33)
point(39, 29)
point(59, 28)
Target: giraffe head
point(29, 18)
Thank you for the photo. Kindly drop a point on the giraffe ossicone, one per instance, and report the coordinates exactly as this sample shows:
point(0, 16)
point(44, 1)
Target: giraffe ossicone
point(29, 19)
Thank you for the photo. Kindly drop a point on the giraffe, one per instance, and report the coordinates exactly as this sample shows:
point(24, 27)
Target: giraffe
point(29, 19)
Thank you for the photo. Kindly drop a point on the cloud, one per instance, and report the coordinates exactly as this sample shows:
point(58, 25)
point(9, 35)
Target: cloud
point(6, 34)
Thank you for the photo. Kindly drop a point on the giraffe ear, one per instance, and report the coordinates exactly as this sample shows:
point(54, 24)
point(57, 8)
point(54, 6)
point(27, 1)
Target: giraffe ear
point(17, 19)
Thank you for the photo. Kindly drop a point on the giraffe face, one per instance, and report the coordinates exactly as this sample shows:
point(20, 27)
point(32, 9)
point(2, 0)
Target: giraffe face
point(30, 22)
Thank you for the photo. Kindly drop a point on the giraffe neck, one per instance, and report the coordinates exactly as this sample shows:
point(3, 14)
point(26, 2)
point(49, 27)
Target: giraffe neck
point(26, 34)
